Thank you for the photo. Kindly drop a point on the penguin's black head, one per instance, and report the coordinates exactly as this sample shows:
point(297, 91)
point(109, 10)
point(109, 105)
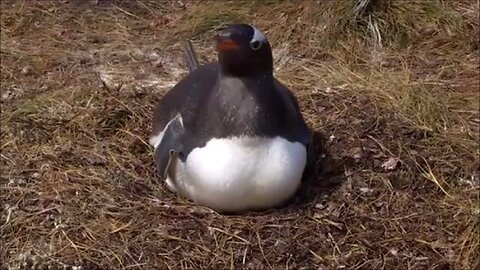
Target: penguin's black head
point(243, 50)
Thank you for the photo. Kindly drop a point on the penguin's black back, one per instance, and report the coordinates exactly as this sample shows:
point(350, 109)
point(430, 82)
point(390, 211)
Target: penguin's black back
point(255, 107)
point(186, 96)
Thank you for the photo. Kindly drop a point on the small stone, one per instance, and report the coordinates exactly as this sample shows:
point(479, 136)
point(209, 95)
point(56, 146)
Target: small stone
point(357, 153)
point(379, 205)
point(137, 54)
point(391, 164)
point(26, 70)
point(10, 94)
point(108, 80)
point(153, 56)
point(321, 205)
point(320, 215)
point(366, 190)
point(278, 243)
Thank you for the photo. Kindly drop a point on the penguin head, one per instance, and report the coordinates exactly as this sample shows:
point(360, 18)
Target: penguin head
point(243, 50)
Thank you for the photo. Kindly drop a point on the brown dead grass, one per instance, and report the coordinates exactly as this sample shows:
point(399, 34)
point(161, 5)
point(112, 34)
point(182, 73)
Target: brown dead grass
point(398, 80)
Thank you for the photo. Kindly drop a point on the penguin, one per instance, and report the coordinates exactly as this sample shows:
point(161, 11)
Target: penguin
point(229, 136)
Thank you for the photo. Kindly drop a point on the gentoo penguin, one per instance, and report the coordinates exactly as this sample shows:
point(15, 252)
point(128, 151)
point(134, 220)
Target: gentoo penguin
point(229, 136)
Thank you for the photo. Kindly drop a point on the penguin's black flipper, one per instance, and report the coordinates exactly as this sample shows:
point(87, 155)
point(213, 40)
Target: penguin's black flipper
point(170, 146)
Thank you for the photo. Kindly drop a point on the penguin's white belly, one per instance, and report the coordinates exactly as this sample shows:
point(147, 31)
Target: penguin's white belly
point(241, 173)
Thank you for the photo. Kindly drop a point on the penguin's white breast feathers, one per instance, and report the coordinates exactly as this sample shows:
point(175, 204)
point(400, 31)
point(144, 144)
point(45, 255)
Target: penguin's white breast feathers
point(240, 173)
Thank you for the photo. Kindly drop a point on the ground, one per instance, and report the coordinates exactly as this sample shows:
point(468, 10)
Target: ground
point(390, 88)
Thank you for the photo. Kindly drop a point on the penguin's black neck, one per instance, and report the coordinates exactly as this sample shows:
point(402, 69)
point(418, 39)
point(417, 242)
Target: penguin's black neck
point(256, 84)
point(247, 73)
point(249, 105)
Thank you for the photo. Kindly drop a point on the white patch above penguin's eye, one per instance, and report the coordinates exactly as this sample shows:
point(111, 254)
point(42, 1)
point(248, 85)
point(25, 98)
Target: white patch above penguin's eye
point(257, 40)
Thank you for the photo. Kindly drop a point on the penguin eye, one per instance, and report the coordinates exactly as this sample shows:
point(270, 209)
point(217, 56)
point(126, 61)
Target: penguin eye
point(255, 45)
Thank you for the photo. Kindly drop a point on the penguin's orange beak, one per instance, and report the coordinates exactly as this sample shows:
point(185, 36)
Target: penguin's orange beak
point(227, 45)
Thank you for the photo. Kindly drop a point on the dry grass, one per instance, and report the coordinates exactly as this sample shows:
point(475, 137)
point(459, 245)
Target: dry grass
point(389, 79)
